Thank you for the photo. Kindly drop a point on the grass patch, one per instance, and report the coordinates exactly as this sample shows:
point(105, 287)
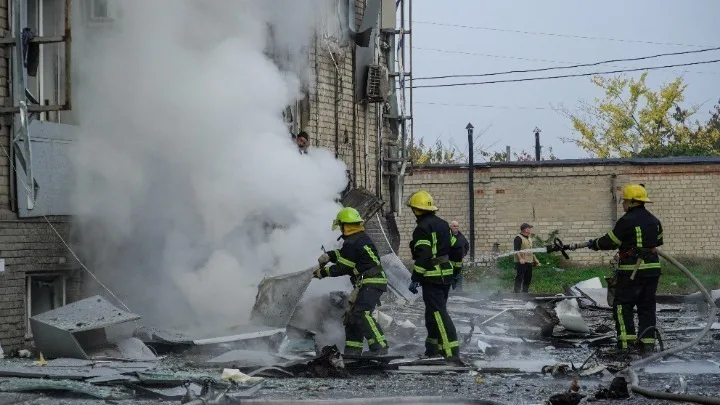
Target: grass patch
point(550, 277)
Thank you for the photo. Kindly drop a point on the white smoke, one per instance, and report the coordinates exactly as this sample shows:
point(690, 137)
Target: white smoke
point(185, 168)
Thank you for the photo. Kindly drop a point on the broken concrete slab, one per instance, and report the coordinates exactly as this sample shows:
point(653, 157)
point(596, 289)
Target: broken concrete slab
point(398, 277)
point(278, 297)
point(75, 329)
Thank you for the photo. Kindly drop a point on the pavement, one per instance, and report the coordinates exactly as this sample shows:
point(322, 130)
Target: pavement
point(505, 346)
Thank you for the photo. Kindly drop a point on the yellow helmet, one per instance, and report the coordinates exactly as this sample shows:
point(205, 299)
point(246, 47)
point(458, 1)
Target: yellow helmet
point(635, 192)
point(347, 215)
point(422, 200)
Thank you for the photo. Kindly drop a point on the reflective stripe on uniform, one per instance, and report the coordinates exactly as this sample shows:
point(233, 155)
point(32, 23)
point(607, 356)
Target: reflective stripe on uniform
point(613, 238)
point(434, 244)
point(456, 264)
point(422, 242)
point(623, 336)
point(638, 236)
point(444, 344)
point(431, 341)
point(439, 272)
point(650, 341)
point(371, 254)
point(344, 261)
point(418, 269)
point(453, 240)
point(644, 266)
point(379, 337)
point(353, 343)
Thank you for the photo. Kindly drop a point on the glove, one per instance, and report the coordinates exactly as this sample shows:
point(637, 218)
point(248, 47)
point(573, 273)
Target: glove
point(323, 260)
point(318, 273)
point(414, 287)
point(591, 244)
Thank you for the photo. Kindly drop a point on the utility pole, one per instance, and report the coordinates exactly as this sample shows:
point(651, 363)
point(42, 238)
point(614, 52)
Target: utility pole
point(537, 143)
point(507, 153)
point(471, 191)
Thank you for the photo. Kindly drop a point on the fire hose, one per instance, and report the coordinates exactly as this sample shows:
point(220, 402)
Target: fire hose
point(630, 371)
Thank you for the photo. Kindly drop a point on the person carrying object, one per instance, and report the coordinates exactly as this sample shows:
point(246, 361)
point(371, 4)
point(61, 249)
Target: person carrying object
point(358, 258)
point(524, 260)
point(431, 244)
point(636, 235)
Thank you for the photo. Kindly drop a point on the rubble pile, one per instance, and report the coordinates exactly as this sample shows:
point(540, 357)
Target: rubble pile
point(512, 346)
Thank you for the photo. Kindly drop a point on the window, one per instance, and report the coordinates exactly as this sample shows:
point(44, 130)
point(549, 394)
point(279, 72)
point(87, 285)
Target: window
point(45, 292)
point(101, 11)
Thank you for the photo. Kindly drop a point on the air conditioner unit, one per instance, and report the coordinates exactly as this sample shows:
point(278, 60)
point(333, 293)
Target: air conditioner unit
point(377, 87)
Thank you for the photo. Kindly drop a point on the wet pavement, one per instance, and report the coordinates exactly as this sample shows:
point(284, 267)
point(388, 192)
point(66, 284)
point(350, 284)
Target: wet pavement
point(510, 372)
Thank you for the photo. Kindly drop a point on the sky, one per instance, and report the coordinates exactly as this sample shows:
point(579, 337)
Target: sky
point(510, 111)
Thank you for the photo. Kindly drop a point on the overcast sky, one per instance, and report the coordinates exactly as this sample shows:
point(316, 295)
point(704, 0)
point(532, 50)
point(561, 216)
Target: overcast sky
point(520, 107)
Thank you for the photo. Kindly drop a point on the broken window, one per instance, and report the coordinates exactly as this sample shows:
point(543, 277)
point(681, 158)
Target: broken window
point(45, 292)
point(45, 81)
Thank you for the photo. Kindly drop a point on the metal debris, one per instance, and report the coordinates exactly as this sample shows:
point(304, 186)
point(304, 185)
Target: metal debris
point(278, 297)
point(74, 330)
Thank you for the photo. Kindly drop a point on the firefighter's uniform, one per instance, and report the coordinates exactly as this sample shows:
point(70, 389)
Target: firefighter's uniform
point(358, 258)
point(431, 246)
point(635, 234)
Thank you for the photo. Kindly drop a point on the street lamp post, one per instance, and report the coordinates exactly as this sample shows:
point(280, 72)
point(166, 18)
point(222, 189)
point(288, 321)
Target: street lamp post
point(471, 190)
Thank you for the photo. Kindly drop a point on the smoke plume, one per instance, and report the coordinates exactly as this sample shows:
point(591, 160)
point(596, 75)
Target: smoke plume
point(190, 189)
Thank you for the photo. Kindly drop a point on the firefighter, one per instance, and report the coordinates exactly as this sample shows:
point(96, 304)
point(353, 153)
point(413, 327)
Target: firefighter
point(635, 281)
point(431, 246)
point(358, 258)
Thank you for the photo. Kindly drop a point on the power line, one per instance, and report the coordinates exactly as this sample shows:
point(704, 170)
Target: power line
point(528, 79)
point(488, 55)
point(503, 107)
point(572, 66)
point(551, 34)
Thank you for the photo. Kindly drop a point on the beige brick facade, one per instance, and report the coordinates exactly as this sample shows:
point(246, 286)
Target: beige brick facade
point(578, 199)
point(356, 139)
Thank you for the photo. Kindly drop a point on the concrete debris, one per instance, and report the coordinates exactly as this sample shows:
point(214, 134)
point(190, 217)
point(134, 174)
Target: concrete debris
point(74, 330)
point(568, 313)
point(405, 330)
point(556, 370)
point(328, 364)
point(383, 319)
point(236, 376)
point(595, 295)
point(77, 387)
point(246, 358)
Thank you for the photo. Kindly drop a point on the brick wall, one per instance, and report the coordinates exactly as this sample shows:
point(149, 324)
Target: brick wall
point(577, 199)
point(28, 246)
point(357, 131)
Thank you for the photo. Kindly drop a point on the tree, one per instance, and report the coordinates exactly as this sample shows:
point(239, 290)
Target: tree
point(437, 154)
point(523, 156)
point(633, 120)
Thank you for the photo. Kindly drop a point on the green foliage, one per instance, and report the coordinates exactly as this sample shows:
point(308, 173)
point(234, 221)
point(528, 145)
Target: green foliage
point(437, 154)
point(551, 280)
point(523, 156)
point(633, 117)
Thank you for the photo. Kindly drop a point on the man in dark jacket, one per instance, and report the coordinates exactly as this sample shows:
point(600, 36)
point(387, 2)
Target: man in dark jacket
point(431, 245)
point(357, 258)
point(461, 249)
point(636, 234)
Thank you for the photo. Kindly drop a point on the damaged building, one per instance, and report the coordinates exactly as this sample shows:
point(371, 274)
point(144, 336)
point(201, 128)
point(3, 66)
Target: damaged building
point(349, 107)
